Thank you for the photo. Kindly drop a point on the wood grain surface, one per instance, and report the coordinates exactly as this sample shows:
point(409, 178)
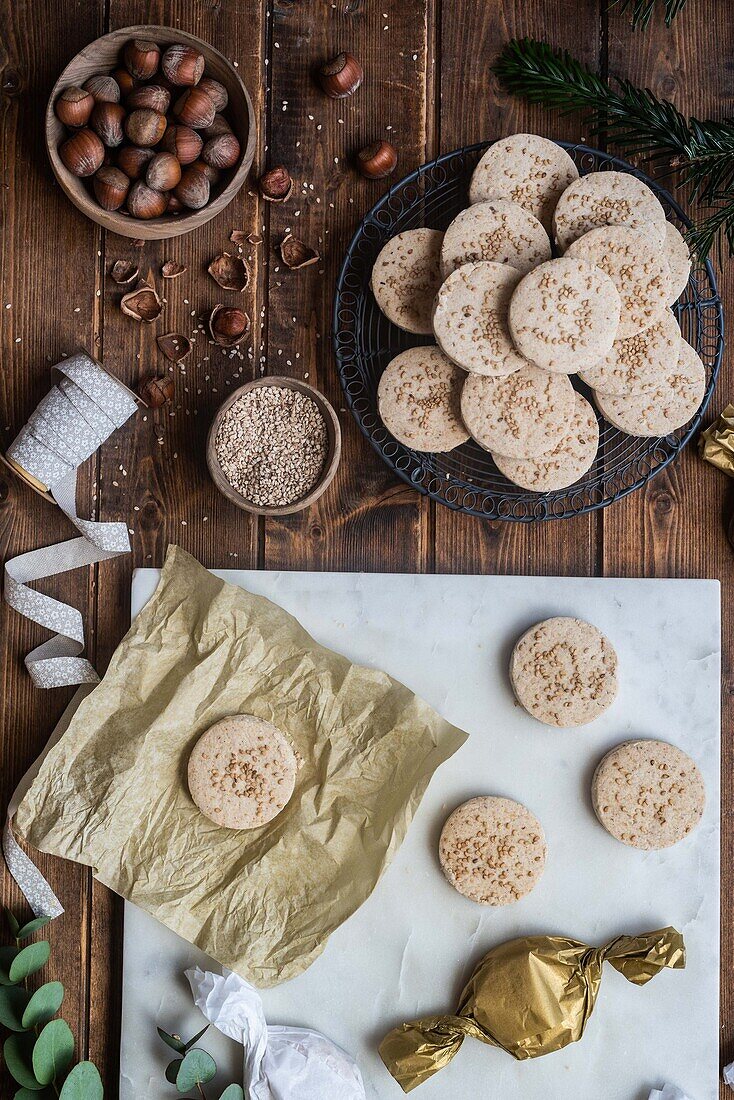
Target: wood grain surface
point(427, 89)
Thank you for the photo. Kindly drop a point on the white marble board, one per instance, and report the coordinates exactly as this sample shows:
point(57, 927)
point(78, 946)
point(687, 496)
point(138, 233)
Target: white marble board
point(407, 951)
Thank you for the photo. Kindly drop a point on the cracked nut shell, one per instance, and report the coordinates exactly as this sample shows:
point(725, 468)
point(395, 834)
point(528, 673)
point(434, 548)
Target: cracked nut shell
point(230, 272)
point(276, 184)
point(228, 325)
point(158, 392)
point(296, 254)
point(143, 303)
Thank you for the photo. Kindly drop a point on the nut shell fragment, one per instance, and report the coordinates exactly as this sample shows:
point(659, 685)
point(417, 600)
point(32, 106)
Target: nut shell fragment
point(171, 269)
point(124, 271)
point(296, 254)
point(228, 325)
point(143, 303)
point(276, 185)
point(231, 272)
point(158, 392)
point(174, 345)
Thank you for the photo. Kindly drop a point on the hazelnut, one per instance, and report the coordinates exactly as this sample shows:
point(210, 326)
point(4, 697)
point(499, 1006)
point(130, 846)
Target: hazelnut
point(133, 160)
point(145, 127)
point(295, 254)
point(183, 142)
point(175, 206)
point(125, 81)
point(193, 189)
point(158, 392)
point(106, 121)
point(143, 202)
point(141, 58)
point(82, 153)
point(222, 151)
point(211, 173)
point(276, 185)
point(163, 172)
point(218, 126)
point(217, 93)
point(195, 108)
point(74, 106)
point(124, 271)
point(105, 89)
point(228, 326)
point(377, 160)
point(110, 187)
point(341, 76)
point(143, 303)
point(183, 65)
point(153, 96)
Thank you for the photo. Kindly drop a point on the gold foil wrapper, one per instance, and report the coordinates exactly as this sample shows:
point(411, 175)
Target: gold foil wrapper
point(530, 997)
point(716, 444)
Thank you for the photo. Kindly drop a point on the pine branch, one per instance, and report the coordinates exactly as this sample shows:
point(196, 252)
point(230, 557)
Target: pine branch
point(642, 11)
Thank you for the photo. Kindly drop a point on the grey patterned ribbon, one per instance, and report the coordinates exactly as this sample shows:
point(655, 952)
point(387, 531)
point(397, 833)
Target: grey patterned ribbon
point(78, 415)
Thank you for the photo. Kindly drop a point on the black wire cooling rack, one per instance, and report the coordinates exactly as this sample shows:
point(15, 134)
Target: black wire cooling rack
point(466, 479)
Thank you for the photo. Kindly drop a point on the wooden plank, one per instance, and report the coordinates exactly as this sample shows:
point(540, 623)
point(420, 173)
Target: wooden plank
point(675, 526)
point(367, 519)
point(48, 272)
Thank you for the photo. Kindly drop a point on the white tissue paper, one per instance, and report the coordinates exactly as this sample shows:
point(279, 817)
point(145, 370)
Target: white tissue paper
point(279, 1062)
point(729, 1074)
point(669, 1092)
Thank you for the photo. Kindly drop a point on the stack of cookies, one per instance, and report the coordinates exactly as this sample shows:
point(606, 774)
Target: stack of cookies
point(546, 275)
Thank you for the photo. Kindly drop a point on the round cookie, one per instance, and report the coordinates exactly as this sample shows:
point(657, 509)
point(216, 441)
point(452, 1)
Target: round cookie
point(470, 318)
point(527, 169)
point(648, 794)
point(406, 278)
point(522, 415)
point(637, 364)
point(492, 850)
point(564, 315)
point(419, 399)
point(566, 463)
point(662, 410)
point(564, 672)
point(242, 772)
point(679, 261)
point(607, 198)
point(496, 230)
point(636, 266)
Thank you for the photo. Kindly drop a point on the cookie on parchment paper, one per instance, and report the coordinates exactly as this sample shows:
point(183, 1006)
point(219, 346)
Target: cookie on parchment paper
point(564, 672)
point(419, 399)
point(492, 850)
point(566, 463)
point(470, 318)
point(564, 315)
point(638, 363)
point(607, 198)
point(406, 277)
point(638, 268)
point(527, 169)
point(522, 415)
point(665, 409)
point(678, 256)
point(648, 794)
point(497, 230)
point(242, 772)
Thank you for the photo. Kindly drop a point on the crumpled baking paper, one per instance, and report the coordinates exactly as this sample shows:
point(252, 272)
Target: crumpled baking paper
point(112, 793)
point(280, 1063)
point(669, 1092)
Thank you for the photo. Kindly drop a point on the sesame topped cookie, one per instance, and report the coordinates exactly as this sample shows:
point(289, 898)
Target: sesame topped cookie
point(638, 363)
point(523, 415)
point(419, 398)
point(496, 230)
point(678, 256)
point(470, 318)
point(527, 169)
point(406, 277)
point(566, 463)
point(607, 198)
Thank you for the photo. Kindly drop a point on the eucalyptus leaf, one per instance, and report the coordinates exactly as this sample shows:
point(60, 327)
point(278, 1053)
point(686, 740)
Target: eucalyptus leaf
point(172, 1041)
point(32, 926)
point(233, 1092)
point(192, 1042)
point(197, 1068)
point(172, 1070)
point(12, 923)
point(83, 1083)
point(29, 960)
point(43, 1005)
point(17, 1051)
point(13, 1001)
point(29, 1094)
point(7, 955)
point(53, 1051)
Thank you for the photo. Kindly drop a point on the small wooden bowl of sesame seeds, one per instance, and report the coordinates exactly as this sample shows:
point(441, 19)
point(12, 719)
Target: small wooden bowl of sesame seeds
point(274, 446)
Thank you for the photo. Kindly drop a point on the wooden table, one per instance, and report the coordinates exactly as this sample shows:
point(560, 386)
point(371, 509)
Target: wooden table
point(428, 89)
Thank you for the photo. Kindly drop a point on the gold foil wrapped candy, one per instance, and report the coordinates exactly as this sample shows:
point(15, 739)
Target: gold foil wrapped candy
point(716, 444)
point(529, 996)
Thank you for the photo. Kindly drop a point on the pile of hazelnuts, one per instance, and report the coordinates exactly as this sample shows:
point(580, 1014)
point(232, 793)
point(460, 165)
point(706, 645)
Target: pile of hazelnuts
point(151, 135)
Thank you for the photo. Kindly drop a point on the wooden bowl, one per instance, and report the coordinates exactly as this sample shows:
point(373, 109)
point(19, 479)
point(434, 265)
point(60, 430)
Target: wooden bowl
point(102, 56)
point(331, 463)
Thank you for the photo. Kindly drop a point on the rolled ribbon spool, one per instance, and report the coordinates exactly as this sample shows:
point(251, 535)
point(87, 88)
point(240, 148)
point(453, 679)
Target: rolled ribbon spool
point(70, 424)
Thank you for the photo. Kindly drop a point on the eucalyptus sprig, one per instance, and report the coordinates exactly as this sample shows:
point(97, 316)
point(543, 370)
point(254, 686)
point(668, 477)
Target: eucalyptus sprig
point(40, 1048)
point(193, 1067)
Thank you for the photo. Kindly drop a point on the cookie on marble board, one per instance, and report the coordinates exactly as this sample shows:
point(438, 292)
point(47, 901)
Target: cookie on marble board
point(527, 169)
point(470, 318)
point(419, 400)
point(648, 794)
point(492, 850)
point(566, 463)
point(496, 230)
point(522, 415)
point(406, 277)
point(669, 406)
point(638, 268)
point(242, 772)
point(564, 672)
point(607, 198)
point(564, 315)
point(678, 256)
point(637, 364)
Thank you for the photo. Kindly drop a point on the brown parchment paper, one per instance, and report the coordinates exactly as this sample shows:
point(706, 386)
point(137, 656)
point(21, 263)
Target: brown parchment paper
point(112, 793)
